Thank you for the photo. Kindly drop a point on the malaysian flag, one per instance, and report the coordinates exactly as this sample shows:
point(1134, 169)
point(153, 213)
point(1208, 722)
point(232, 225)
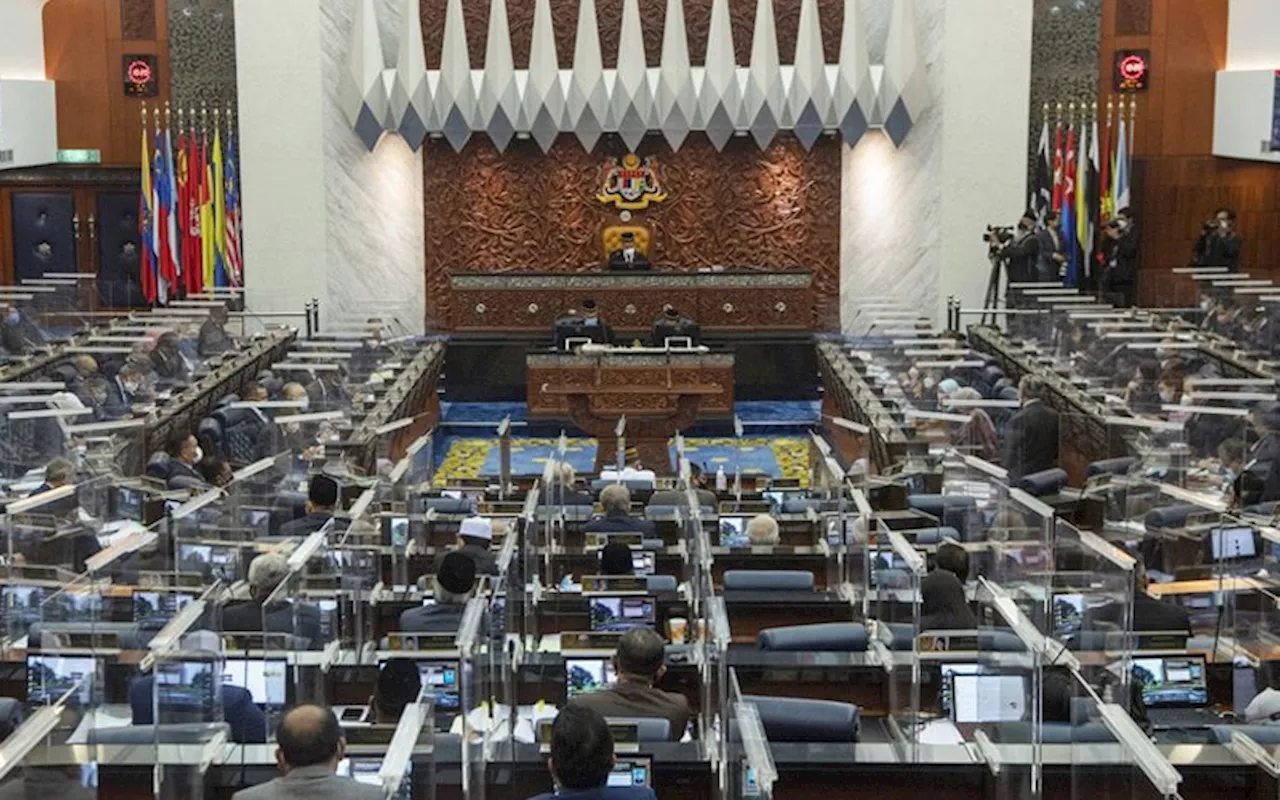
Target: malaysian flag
point(235, 262)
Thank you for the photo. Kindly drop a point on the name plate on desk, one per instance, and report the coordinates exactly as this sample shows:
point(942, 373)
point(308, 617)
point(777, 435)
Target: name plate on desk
point(157, 580)
point(421, 641)
point(588, 640)
point(598, 541)
point(745, 301)
point(942, 643)
point(613, 583)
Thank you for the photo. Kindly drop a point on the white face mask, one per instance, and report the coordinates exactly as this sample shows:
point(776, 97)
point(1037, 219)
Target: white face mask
point(199, 454)
point(1166, 396)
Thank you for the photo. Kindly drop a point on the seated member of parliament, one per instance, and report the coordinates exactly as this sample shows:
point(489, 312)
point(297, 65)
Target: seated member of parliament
point(628, 257)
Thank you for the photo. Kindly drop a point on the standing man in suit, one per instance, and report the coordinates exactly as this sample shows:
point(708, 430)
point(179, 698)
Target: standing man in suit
point(1020, 252)
point(628, 258)
point(582, 758)
point(1050, 258)
point(1219, 242)
point(310, 748)
point(1031, 439)
point(1120, 281)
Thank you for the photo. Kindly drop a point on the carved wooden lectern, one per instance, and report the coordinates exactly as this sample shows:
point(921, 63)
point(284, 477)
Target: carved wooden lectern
point(659, 393)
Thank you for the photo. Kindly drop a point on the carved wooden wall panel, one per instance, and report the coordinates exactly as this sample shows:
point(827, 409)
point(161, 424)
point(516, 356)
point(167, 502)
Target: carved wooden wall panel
point(137, 20)
point(609, 16)
point(741, 209)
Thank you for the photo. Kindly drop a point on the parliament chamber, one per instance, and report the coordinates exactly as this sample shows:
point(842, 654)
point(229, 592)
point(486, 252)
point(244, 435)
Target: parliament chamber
point(611, 399)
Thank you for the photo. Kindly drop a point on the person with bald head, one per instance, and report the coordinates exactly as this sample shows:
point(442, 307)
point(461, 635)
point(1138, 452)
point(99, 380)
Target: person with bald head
point(310, 746)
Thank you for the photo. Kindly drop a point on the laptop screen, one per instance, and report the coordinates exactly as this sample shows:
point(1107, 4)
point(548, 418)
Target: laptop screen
point(1172, 681)
point(989, 698)
point(619, 614)
point(265, 679)
point(443, 680)
point(1229, 543)
point(50, 677)
point(1068, 613)
point(586, 675)
point(642, 561)
point(733, 532)
point(631, 773)
point(949, 671)
point(158, 605)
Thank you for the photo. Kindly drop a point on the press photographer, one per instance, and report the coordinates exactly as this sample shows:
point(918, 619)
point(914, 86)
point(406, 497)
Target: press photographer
point(1018, 249)
point(1219, 242)
point(1120, 247)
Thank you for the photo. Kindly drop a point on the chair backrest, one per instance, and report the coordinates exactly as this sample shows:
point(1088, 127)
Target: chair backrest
point(1110, 466)
point(933, 535)
point(158, 466)
point(648, 729)
point(179, 733)
point(768, 580)
point(1038, 484)
point(831, 637)
point(791, 719)
point(1169, 516)
point(612, 238)
point(661, 583)
point(10, 716)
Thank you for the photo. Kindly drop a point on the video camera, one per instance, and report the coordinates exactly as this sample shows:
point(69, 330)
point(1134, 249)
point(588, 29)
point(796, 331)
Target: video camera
point(1003, 234)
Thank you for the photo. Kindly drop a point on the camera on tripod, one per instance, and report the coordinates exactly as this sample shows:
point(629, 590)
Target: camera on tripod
point(1002, 233)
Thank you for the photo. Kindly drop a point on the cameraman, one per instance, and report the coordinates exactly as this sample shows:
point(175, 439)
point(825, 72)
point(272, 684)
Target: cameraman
point(1019, 252)
point(1219, 243)
point(1120, 282)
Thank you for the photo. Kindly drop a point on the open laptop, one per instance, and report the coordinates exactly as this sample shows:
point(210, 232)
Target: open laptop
point(988, 698)
point(1068, 613)
point(49, 677)
point(266, 679)
point(148, 605)
point(733, 532)
point(1175, 691)
point(947, 685)
point(642, 562)
point(622, 613)
point(586, 675)
point(1233, 546)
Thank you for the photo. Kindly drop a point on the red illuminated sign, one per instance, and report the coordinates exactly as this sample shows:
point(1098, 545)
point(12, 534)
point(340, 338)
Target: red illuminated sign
point(1132, 69)
point(140, 79)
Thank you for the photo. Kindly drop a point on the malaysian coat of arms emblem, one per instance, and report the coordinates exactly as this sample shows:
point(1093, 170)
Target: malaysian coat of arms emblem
point(631, 184)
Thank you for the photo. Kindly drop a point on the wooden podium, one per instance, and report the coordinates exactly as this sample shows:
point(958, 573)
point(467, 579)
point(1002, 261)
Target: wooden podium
point(660, 393)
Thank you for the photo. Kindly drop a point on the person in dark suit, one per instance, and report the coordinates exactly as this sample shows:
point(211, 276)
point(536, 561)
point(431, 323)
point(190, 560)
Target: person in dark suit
point(266, 573)
point(1049, 257)
point(615, 559)
point(399, 684)
point(617, 518)
point(582, 758)
point(1031, 436)
point(571, 494)
point(310, 749)
point(1219, 243)
point(322, 500)
point(167, 360)
point(1120, 281)
point(639, 665)
point(628, 258)
point(11, 334)
point(954, 559)
point(58, 473)
point(1149, 614)
point(1020, 252)
point(475, 535)
point(184, 454)
point(248, 723)
point(451, 587)
point(214, 339)
point(943, 605)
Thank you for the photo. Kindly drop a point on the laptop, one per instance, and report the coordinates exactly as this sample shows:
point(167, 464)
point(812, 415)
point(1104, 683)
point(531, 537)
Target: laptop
point(622, 613)
point(1175, 691)
point(586, 675)
point(631, 773)
point(49, 677)
point(1068, 613)
point(441, 679)
point(642, 562)
point(266, 679)
point(1232, 544)
point(368, 771)
point(149, 605)
point(733, 532)
point(988, 698)
point(947, 687)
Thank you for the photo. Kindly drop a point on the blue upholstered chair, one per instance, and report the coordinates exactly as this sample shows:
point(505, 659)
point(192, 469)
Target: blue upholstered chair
point(831, 637)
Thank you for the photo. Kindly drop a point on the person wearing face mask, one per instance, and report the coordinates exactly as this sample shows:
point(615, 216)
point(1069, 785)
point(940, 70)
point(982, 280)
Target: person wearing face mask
point(1020, 253)
point(628, 258)
point(1219, 243)
point(1142, 395)
point(11, 335)
point(184, 454)
point(1050, 259)
point(167, 360)
point(1120, 281)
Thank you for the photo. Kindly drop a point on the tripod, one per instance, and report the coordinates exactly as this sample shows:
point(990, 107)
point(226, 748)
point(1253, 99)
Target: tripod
point(991, 304)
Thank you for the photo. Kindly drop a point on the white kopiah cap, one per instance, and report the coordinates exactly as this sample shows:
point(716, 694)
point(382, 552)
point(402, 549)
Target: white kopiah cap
point(476, 528)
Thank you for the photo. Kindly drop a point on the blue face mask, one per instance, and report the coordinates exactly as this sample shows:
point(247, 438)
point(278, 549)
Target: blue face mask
point(14, 318)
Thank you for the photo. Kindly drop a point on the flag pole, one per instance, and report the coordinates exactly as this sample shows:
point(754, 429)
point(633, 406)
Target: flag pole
point(1133, 123)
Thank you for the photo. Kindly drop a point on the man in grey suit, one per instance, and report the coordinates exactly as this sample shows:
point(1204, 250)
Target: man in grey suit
point(310, 747)
point(1050, 259)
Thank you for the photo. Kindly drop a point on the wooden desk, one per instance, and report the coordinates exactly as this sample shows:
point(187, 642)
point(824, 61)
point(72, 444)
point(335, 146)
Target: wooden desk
point(659, 395)
point(721, 302)
point(1208, 586)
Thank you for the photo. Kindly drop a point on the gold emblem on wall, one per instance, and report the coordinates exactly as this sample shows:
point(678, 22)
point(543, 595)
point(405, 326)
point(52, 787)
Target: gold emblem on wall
point(631, 184)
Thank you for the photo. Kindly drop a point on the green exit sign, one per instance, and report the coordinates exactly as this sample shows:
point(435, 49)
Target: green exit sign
point(79, 156)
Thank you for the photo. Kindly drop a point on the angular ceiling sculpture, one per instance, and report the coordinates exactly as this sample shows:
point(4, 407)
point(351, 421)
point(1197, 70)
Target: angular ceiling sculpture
point(588, 102)
point(362, 91)
point(854, 96)
point(903, 94)
point(498, 103)
point(720, 98)
point(675, 102)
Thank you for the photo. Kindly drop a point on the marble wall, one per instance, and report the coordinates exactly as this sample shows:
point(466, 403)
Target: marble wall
point(202, 53)
point(912, 218)
point(373, 201)
point(1065, 37)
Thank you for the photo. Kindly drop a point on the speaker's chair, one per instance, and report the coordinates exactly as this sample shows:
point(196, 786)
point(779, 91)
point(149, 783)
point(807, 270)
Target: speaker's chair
point(613, 238)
